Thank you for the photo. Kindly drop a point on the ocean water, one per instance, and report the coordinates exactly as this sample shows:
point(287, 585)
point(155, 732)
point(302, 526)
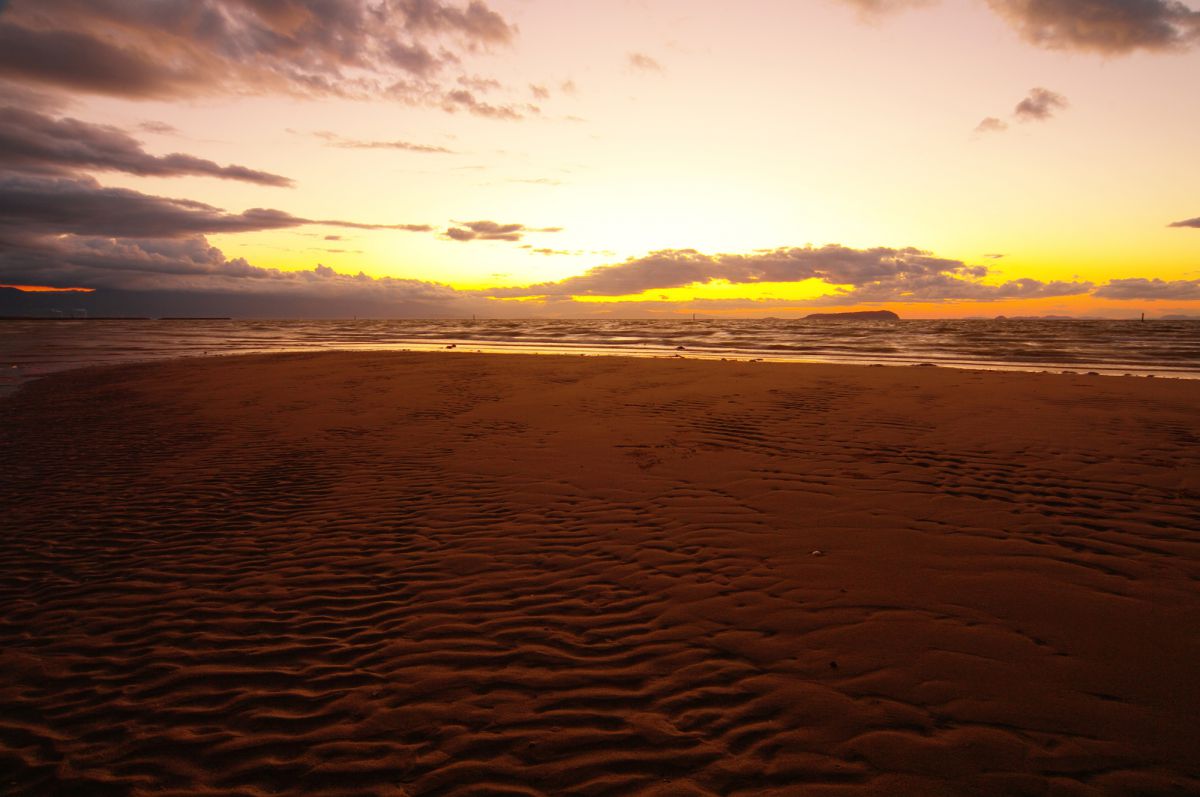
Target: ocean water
point(29, 349)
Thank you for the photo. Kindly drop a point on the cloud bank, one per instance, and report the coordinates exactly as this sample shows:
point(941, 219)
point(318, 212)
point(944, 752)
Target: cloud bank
point(144, 49)
point(34, 206)
point(1149, 289)
point(158, 275)
point(854, 275)
point(31, 141)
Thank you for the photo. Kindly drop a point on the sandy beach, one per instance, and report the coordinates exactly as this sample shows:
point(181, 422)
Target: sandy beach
point(459, 574)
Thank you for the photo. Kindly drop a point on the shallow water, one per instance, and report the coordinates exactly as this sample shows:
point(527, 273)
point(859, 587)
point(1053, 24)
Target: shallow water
point(29, 349)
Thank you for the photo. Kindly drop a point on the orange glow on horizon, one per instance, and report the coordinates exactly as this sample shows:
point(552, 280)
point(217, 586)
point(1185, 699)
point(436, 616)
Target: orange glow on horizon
point(748, 134)
point(47, 289)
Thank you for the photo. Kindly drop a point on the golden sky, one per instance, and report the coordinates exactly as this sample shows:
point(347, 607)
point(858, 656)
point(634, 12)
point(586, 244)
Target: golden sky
point(620, 157)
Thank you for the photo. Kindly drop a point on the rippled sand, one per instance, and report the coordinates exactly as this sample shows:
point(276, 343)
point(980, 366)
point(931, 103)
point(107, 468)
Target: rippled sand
point(457, 574)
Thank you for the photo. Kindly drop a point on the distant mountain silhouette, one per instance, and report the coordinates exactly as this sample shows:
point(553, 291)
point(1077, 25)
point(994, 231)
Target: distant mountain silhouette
point(863, 315)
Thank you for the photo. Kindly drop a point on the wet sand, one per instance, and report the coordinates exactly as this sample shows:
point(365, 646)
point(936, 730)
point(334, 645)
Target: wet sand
point(458, 574)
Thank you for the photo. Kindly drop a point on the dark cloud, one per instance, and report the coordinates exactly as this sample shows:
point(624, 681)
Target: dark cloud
point(1149, 289)
point(1187, 223)
point(1039, 105)
point(644, 63)
point(991, 125)
point(334, 140)
point(155, 49)
point(861, 275)
point(1111, 27)
point(492, 231)
point(33, 141)
point(101, 262)
point(41, 205)
point(78, 61)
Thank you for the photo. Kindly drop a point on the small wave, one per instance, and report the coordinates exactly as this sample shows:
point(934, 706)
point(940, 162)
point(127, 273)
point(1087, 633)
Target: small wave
point(1164, 347)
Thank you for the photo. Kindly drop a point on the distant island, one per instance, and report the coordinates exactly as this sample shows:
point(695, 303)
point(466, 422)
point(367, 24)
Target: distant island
point(862, 315)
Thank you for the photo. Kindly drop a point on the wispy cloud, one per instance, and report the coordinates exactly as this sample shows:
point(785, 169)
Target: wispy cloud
point(1187, 223)
point(159, 128)
point(334, 140)
point(643, 63)
point(550, 181)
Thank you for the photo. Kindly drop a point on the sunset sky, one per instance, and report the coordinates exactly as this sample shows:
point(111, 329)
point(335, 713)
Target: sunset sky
point(615, 157)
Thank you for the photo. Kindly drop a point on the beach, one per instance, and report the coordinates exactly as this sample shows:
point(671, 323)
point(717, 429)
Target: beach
point(383, 573)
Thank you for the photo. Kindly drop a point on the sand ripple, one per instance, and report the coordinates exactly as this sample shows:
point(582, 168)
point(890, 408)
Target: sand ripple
point(389, 574)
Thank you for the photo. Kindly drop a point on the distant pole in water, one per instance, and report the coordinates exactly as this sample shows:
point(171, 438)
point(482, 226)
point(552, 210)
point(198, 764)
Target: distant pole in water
point(1143, 316)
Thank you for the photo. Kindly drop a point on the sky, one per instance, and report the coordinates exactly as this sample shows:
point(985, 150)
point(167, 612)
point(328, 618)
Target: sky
point(608, 158)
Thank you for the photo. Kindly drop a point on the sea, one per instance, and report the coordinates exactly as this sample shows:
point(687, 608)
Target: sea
point(33, 348)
